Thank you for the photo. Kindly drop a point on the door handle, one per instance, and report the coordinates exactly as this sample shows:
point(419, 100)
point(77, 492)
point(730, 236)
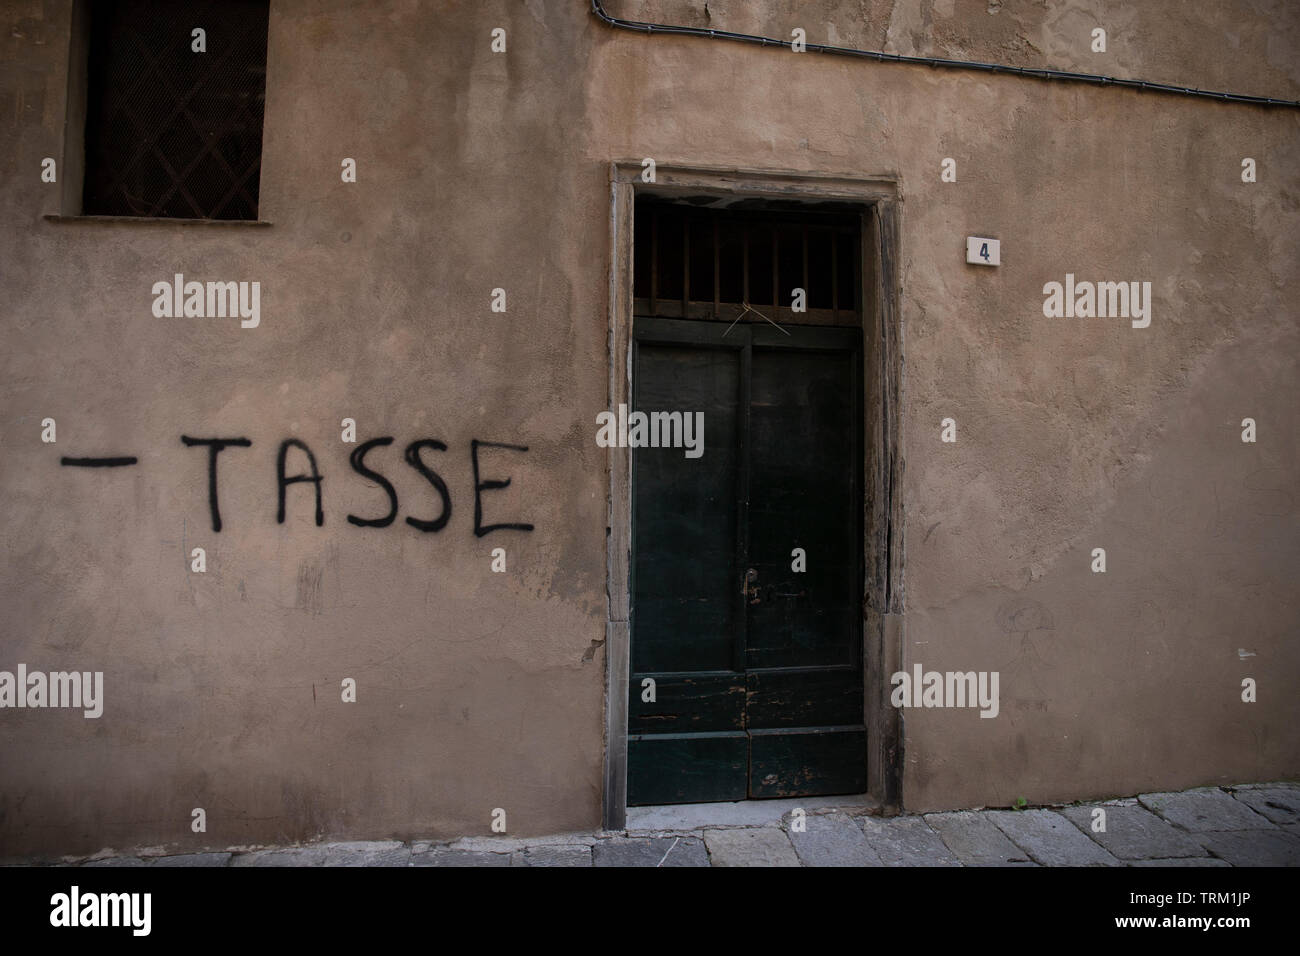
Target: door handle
point(748, 588)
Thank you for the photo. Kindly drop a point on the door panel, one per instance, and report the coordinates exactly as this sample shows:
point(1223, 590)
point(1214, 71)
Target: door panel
point(687, 506)
point(809, 761)
point(688, 768)
point(804, 697)
point(757, 667)
point(686, 703)
point(802, 484)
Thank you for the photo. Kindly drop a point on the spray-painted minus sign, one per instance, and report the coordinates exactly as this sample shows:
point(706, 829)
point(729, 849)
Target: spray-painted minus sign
point(99, 462)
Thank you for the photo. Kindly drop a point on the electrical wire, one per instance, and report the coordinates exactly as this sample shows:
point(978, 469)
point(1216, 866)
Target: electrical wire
point(1041, 74)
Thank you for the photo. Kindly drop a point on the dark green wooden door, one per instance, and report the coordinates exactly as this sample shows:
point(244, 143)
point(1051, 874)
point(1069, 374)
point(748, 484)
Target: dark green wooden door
point(756, 666)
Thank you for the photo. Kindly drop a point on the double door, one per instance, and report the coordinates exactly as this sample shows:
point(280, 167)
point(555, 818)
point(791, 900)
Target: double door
point(746, 656)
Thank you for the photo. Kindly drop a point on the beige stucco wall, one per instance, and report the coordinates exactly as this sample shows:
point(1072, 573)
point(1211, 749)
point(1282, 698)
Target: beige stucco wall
point(476, 170)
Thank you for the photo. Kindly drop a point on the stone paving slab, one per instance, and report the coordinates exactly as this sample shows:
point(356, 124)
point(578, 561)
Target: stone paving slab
point(1135, 833)
point(194, 859)
point(113, 861)
point(377, 853)
point(755, 846)
point(441, 856)
point(650, 851)
point(907, 841)
point(1268, 785)
point(975, 840)
point(557, 856)
point(374, 854)
point(1183, 861)
point(1281, 805)
point(685, 817)
point(507, 844)
point(832, 839)
point(1204, 810)
point(295, 856)
point(1272, 847)
point(1050, 839)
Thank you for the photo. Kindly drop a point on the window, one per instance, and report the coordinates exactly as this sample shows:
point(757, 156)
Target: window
point(174, 116)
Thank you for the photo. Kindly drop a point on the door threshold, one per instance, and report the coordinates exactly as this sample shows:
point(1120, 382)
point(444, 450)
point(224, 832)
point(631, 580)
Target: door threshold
point(742, 813)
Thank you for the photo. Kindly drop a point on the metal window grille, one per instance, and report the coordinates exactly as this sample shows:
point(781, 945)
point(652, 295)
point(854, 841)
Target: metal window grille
point(692, 262)
point(171, 132)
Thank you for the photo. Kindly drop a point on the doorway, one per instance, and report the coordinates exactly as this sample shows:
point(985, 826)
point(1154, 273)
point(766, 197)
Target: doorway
point(754, 589)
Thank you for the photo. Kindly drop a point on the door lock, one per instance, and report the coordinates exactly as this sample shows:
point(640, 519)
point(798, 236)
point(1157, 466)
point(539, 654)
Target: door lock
point(749, 588)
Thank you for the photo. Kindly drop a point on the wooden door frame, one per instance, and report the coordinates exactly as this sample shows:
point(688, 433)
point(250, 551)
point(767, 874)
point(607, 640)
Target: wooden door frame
point(882, 467)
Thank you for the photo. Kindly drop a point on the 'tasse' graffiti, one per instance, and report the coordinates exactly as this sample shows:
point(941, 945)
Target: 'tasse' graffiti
point(306, 471)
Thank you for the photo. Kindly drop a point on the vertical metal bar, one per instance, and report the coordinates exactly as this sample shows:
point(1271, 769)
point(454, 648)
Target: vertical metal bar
point(654, 259)
point(807, 292)
point(835, 273)
point(776, 269)
point(744, 284)
point(717, 267)
point(686, 263)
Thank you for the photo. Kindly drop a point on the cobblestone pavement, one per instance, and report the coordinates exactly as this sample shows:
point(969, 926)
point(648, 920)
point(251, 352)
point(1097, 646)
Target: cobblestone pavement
point(1249, 825)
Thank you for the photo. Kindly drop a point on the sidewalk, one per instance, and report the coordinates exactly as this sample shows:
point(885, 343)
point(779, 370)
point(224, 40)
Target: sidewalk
point(1248, 825)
